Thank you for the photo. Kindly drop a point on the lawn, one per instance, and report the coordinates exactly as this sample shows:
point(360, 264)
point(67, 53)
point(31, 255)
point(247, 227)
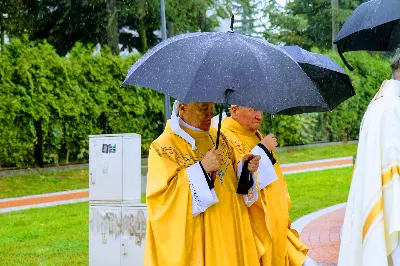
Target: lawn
point(59, 235)
point(48, 236)
point(316, 153)
point(22, 185)
point(312, 191)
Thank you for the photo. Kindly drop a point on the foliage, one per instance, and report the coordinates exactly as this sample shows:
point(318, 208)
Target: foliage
point(51, 104)
point(129, 23)
point(343, 123)
point(292, 130)
point(306, 23)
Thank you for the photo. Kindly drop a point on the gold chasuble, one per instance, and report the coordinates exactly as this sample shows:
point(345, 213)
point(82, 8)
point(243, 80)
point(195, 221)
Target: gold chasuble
point(277, 244)
point(177, 235)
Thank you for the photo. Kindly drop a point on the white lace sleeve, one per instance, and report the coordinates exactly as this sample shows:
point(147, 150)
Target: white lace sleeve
point(202, 196)
point(266, 172)
point(252, 196)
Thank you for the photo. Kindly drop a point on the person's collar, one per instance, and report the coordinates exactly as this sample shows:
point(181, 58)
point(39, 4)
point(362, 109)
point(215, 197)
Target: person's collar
point(391, 89)
point(175, 124)
point(183, 123)
point(235, 126)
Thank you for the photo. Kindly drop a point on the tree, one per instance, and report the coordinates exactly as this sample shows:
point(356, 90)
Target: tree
point(335, 25)
point(112, 26)
point(249, 16)
point(308, 22)
point(11, 19)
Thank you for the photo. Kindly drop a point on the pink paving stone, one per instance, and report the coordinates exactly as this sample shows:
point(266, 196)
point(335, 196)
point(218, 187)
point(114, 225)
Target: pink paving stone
point(334, 237)
point(306, 243)
point(323, 236)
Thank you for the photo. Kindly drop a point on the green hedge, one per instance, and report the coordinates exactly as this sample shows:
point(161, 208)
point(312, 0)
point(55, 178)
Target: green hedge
point(50, 104)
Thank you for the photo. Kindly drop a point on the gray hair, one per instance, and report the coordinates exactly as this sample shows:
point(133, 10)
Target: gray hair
point(395, 65)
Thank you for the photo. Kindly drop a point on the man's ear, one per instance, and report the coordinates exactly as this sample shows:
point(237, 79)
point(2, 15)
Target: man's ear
point(234, 110)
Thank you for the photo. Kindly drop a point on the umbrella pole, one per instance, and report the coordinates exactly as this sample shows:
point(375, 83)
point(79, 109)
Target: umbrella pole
point(219, 126)
point(214, 174)
point(270, 123)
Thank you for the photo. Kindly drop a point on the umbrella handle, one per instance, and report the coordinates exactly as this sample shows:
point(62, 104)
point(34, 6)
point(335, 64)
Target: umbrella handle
point(270, 123)
point(345, 61)
point(214, 174)
point(219, 127)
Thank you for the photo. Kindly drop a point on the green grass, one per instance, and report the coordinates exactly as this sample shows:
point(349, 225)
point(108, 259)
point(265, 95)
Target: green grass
point(312, 191)
point(47, 236)
point(316, 153)
point(59, 235)
point(22, 185)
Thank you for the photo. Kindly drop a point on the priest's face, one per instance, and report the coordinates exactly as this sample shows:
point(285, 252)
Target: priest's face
point(249, 118)
point(198, 115)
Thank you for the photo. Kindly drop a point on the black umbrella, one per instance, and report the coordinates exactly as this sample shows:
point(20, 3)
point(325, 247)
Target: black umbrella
point(226, 68)
point(332, 81)
point(373, 26)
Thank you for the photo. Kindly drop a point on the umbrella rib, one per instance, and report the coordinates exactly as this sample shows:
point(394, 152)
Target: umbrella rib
point(158, 48)
point(258, 62)
point(202, 61)
point(391, 30)
point(323, 95)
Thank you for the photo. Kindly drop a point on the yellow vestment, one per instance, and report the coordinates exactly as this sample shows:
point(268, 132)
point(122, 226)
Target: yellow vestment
point(221, 235)
point(277, 244)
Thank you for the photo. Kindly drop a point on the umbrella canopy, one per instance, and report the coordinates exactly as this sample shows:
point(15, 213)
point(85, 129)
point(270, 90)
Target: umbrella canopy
point(373, 26)
point(334, 83)
point(226, 68)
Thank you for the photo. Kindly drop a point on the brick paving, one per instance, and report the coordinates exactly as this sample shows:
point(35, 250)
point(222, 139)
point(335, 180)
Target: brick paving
point(39, 199)
point(322, 237)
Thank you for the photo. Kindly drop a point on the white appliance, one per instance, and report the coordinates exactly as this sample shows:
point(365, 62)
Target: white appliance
point(117, 218)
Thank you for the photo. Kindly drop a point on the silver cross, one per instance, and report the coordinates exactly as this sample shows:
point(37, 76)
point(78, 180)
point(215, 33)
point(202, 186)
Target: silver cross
point(220, 174)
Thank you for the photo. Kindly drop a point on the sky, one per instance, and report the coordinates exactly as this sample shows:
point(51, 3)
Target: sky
point(225, 23)
point(282, 2)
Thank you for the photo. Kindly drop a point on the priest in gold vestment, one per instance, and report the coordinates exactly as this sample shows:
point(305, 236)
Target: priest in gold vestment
point(192, 219)
point(277, 243)
point(371, 228)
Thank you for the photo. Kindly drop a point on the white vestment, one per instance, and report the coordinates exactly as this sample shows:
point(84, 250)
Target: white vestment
point(370, 233)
